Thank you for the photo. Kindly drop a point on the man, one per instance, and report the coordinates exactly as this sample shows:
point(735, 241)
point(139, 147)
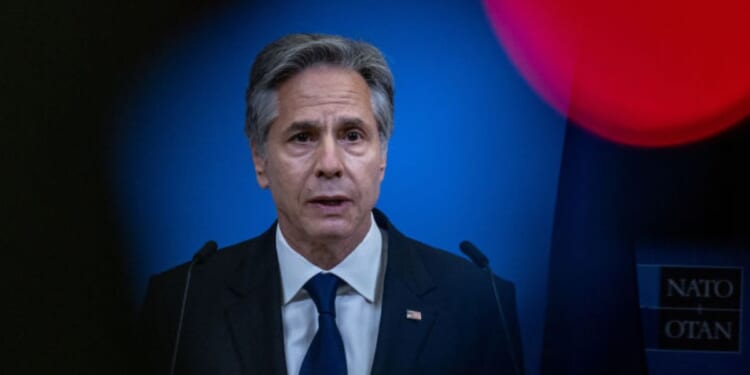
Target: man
point(332, 287)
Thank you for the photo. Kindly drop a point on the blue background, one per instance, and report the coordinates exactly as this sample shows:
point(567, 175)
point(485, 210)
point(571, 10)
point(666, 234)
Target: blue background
point(475, 154)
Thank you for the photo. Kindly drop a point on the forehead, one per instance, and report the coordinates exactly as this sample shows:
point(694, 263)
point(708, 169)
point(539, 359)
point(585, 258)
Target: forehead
point(324, 87)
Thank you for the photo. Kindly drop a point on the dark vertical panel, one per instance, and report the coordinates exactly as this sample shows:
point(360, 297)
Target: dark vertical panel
point(592, 324)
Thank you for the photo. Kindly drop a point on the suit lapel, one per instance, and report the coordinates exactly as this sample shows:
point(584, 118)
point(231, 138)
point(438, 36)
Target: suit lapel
point(254, 317)
point(400, 340)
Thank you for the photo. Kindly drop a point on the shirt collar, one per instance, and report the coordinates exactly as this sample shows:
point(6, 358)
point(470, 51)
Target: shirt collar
point(360, 269)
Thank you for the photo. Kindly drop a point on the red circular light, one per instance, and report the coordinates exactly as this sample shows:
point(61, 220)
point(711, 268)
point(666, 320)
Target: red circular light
point(643, 72)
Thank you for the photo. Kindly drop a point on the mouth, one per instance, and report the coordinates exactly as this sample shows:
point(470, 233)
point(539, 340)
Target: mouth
point(332, 202)
point(329, 201)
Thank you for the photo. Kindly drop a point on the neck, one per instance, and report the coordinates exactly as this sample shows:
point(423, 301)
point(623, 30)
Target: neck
point(326, 253)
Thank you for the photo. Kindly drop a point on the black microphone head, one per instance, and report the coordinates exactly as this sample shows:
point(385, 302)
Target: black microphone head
point(208, 249)
point(474, 254)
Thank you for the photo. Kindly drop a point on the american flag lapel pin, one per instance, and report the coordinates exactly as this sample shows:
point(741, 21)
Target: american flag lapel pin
point(413, 315)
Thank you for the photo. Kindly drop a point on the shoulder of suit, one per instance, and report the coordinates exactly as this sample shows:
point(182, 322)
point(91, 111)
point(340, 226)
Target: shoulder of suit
point(442, 262)
point(438, 262)
point(225, 258)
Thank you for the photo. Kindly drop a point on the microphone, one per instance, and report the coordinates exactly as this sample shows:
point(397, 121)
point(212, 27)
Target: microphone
point(208, 249)
point(483, 263)
point(474, 254)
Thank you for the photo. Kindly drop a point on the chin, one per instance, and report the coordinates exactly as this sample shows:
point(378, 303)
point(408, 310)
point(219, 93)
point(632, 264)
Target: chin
point(332, 232)
point(332, 228)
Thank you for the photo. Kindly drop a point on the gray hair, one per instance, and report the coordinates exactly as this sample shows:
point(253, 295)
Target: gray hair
point(292, 54)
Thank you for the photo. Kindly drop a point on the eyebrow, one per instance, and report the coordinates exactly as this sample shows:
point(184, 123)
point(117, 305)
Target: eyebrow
point(298, 126)
point(350, 121)
point(307, 125)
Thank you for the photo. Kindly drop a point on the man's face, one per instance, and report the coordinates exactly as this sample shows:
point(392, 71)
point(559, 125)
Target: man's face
point(324, 162)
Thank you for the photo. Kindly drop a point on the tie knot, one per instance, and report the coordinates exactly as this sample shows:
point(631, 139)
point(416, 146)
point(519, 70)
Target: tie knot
point(322, 289)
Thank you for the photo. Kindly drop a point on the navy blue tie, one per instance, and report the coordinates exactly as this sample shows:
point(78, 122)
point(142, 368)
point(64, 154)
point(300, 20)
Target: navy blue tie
point(326, 353)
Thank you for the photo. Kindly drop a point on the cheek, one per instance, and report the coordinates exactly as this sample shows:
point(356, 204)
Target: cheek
point(371, 175)
point(288, 176)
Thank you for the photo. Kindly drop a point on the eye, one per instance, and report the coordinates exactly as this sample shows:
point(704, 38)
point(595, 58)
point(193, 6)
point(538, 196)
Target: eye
point(301, 138)
point(353, 135)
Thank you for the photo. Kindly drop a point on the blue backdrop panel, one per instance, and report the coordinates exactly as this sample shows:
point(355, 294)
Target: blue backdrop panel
point(475, 154)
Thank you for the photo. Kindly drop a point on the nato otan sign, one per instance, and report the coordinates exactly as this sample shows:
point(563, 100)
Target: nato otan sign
point(698, 309)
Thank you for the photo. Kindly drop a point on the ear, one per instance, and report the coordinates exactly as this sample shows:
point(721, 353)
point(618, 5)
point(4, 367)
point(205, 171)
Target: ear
point(260, 167)
point(383, 162)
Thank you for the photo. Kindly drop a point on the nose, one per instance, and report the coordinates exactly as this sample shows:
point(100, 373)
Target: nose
point(329, 163)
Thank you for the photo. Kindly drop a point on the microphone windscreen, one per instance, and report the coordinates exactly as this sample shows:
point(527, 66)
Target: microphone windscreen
point(474, 254)
point(207, 250)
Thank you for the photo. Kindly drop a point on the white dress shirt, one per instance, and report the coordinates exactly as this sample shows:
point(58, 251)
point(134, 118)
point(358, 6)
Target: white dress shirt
point(358, 301)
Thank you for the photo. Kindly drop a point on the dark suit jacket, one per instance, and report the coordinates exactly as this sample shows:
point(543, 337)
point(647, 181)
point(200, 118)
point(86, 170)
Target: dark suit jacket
point(233, 325)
